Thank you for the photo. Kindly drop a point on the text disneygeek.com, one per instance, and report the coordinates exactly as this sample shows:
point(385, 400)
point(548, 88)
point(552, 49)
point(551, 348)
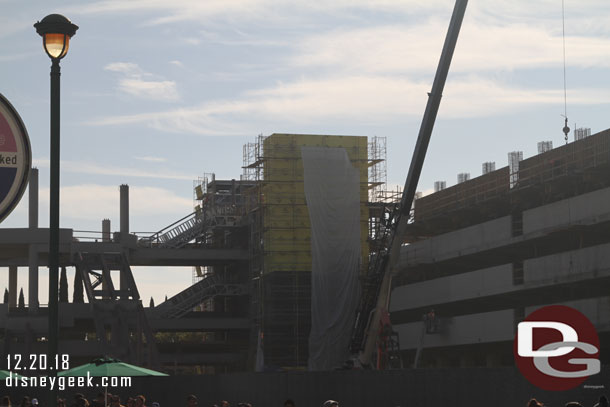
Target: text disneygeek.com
point(62, 382)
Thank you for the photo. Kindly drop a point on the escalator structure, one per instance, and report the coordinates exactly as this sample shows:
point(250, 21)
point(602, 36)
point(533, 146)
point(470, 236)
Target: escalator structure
point(178, 234)
point(207, 288)
point(216, 210)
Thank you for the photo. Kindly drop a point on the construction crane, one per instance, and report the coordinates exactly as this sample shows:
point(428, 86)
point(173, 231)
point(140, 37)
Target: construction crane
point(372, 323)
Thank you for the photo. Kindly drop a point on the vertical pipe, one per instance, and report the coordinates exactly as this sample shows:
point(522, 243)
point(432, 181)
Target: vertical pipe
point(233, 192)
point(124, 229)
point(124, 214)
point(54, 227)
point(12, 287)
point(124, 224)
point(106, 230)
point(32, 251)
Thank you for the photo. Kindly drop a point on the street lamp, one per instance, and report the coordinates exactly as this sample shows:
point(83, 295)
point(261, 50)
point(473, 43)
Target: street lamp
point(56, 31)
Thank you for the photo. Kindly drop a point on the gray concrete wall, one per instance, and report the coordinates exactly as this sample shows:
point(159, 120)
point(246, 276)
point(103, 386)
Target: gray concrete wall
point(592, 207)
point(576, 265)
point(480, 283)
point(469, 240)
point(494, 326)
point(475, 328)
point(597, 310)
point(590, 262)
point(588, 208)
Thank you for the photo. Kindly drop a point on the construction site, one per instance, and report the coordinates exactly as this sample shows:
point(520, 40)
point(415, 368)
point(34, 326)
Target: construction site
point(248, 241)
point(309, 273)
point(481, 254)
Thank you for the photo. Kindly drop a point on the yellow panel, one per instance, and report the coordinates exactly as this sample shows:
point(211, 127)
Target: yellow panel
point(287, 232)
point(199, 192)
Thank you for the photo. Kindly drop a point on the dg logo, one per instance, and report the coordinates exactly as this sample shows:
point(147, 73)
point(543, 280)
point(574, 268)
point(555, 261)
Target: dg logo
point(557, 348)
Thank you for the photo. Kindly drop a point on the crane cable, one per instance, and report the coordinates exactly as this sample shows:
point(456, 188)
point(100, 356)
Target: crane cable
point(566, 129)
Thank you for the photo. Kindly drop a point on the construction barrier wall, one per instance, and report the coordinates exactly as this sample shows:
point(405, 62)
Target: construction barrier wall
point(499, 387)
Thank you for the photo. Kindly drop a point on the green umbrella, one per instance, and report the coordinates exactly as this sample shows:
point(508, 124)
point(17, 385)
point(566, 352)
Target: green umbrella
point(109, 367)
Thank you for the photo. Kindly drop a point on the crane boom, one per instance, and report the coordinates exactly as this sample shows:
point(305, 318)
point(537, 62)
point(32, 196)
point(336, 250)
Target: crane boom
point(383, 266)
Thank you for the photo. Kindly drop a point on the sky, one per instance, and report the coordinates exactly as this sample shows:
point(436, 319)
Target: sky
point(156, 93)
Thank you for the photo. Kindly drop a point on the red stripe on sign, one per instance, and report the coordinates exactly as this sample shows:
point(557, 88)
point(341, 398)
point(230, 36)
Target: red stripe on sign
point(7, 138)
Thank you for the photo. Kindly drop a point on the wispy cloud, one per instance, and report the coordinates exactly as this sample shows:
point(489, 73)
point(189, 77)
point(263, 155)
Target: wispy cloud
point(338, 81)
point(85, 167)
point(156, 90)
point(415, 49)
point(243, 38)
point(128, 68)
point(357, 99)
point(497, 12)
point(151, 159)
point(134, 83)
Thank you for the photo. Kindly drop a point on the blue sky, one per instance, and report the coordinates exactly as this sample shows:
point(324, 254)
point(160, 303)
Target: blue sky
point(155, 93)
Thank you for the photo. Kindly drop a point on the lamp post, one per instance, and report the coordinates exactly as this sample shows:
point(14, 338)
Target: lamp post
point(56, 31)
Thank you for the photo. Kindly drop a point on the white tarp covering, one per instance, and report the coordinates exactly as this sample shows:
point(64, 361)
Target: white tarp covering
point(332, 192)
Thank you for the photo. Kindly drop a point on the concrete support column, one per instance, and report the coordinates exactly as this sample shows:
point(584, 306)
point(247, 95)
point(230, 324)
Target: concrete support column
point(123, 284)
point(106, 230)
point(106, 234)
point(32, 252)
point(33, 199)
point(124, 209)
point(12, 286)
point(33, 280)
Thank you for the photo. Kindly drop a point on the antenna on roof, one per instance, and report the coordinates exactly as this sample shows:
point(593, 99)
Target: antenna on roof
point(566, 129)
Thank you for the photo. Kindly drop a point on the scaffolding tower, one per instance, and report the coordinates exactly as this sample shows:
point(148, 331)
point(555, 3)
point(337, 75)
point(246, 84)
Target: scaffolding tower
point(378, 171)
point(280, 266)
point(200, 186)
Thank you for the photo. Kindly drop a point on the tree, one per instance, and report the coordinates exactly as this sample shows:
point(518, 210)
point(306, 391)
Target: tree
point(63, 286)
point(78, 296)
point(21, 299)
point(165, 297)
point(152, 303)
point(5, 296)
